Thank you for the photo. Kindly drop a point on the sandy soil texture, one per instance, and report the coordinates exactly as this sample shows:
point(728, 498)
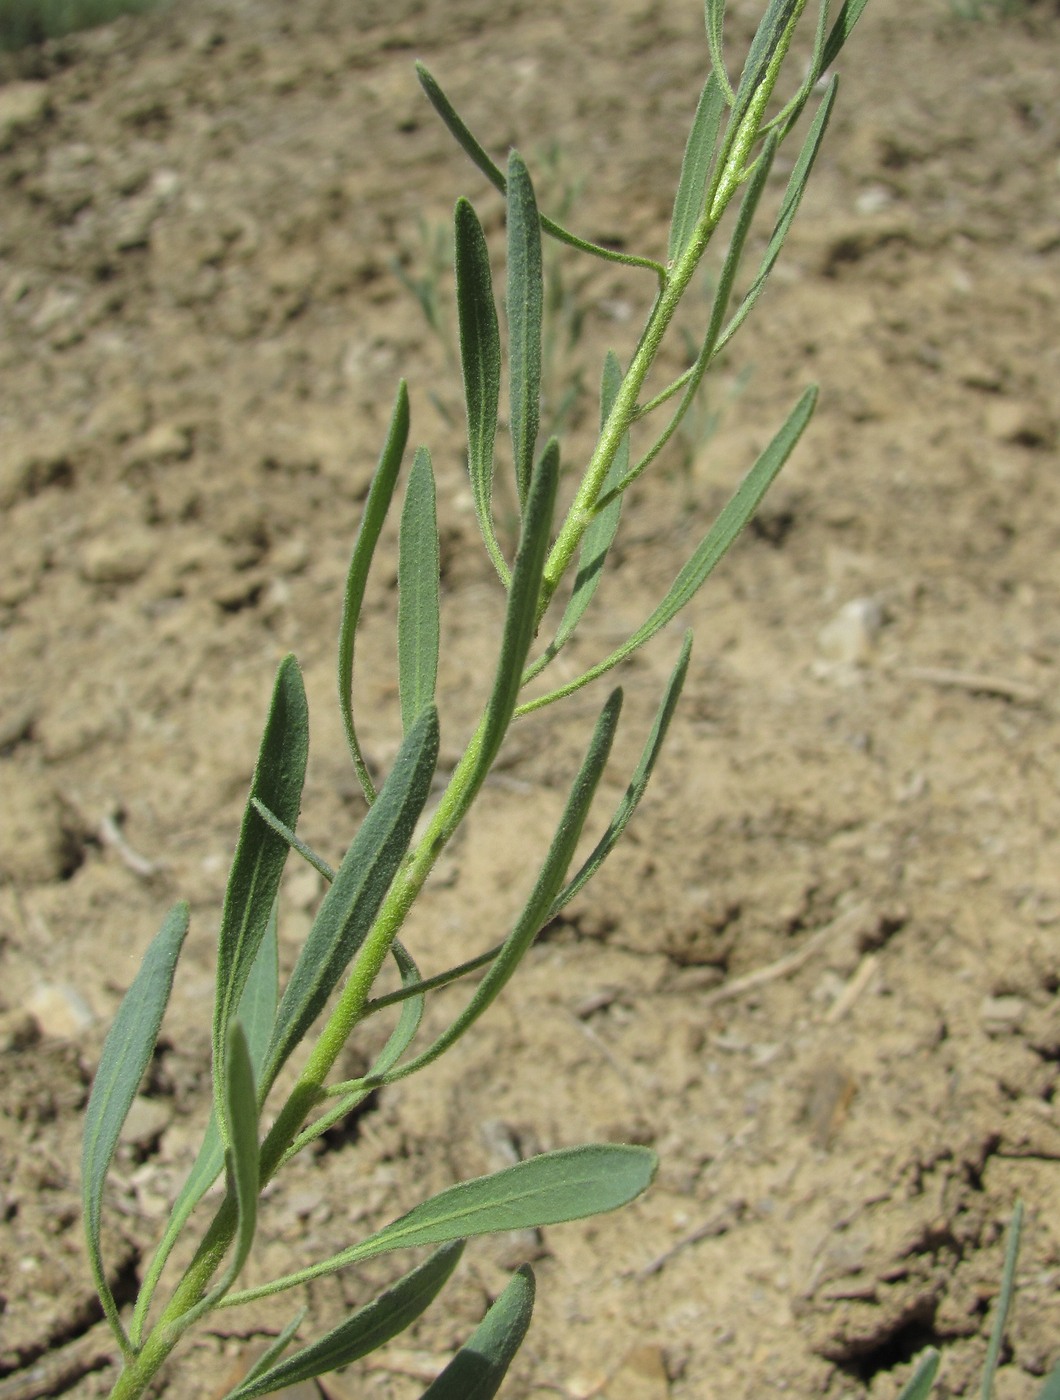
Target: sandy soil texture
point(201, 332)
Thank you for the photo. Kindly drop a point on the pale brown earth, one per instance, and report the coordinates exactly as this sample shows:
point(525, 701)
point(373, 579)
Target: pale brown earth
point(201, 334)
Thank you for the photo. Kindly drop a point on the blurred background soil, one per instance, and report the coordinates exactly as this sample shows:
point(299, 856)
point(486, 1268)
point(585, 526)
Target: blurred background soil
point(202, 218)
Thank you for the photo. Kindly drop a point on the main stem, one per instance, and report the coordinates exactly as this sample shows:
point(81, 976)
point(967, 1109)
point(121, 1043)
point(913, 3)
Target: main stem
point(734, 158)
point(469, 773)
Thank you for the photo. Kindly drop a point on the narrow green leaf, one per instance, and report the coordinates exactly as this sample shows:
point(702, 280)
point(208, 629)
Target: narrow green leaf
point(1051, 1389)
point(430, 984)
point(848, 16)
point(524, 298)
point(271, 1354)
point(714, 16)
point(476, 1371)
point(380, 494)
point(760, 54)
point(295, 843)
point(239, 1111)
point(520, 622)
point(480, 356)
point(361, 883)
point(257, 1006)
point(691, 198)
point(547, 1190)
point(636, 785)
point(126, 1053)
point(520, 625)
point(918, 1386)
point(598, 538)
point(539, 905)
point(495, 176)
point(260, 854)
point(734, 253)
point(364, 1331)
point(723, 532)
point(418, 603)
point(241, 1134)
point(693, 376)
point(411, 1015)
point(257, 1011)
point(792, 198)
point(1004, 1303)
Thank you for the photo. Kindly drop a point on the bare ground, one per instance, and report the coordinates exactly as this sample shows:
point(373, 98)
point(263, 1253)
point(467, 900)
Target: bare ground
point(201, 333)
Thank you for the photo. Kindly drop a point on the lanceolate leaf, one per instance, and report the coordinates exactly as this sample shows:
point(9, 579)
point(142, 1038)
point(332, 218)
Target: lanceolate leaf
point(380, 494)
point(695, 168)
point(241, 1133)
point(260, 854)
point(637, 784)
point(360, 884)
point(127, 1051)
point(760, 54)
point(539, 906)
point(918, 1386)
point(1051, 1389)
point(418, 578)
point(546, 1190)
point(1004, 1303)
point(494, 175)
point(792, 198)
point(476, 1371)
point(728, 525)
point(365, 1331)
point(598, 538)
point(257, 1011)
point(480, 355)
point(524, 297)
point(714, 14)
point(519, 621)
point(273, 1352)
point(840, 32)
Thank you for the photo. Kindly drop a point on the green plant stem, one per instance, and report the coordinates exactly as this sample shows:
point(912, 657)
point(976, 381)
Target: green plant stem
point(469, 774)
point(624, 411)
point(309, 1091)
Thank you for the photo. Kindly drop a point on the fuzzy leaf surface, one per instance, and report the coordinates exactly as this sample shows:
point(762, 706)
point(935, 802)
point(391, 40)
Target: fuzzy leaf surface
point(257, 1011)
point(539, 906)
point(126, 1054)
point(376, 508)
point(760, 54)
point(480, 356)
point(476, 1371)
point(418, 601)
point(360, 885)
point(550, 1189)
point(636, 785)
point(598, 538)
point(691, 198)
point(848, 16)
point(714, 17)
point(524, 299)
point(364, 1331)
point(241, 1133)
point(261, 854)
